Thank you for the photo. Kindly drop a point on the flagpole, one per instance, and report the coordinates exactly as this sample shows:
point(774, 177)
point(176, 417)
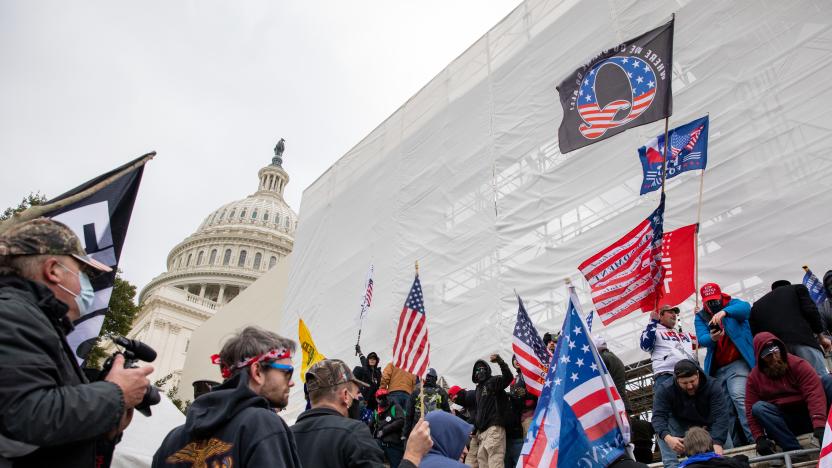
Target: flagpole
point(574, 298)
point(696, 237)
point(39, 210)
point(421, 378)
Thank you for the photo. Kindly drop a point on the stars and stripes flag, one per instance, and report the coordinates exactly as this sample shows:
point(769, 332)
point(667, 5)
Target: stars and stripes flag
point(814, 285)
point(589, 319)
point(626, 276)
point(411, 350)
point(580, 418)
point(367, 297)
point(688, 152)
point(825, 459)
point(530, 351)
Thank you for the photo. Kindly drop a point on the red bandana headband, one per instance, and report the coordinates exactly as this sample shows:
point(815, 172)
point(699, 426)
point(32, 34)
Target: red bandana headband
point(272, 355)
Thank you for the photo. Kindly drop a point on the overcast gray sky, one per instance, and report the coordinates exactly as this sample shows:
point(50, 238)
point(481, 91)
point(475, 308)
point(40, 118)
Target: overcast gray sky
point(211, 86)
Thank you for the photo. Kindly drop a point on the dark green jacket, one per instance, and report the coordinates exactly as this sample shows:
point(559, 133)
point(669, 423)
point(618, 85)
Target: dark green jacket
point(45, 399)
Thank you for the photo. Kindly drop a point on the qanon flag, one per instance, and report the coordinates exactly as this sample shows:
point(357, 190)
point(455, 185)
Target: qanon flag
point(621, 88)
point(98, 212)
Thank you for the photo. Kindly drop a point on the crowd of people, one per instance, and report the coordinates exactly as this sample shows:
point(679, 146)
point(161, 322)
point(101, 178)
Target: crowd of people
point(763, 381)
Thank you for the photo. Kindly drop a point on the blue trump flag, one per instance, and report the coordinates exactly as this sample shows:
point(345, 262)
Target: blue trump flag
point(688, 152)
point(579, 419)
point(814, 285)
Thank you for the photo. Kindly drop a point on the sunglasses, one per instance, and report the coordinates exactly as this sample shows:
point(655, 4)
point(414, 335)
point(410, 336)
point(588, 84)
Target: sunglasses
point(286, 368)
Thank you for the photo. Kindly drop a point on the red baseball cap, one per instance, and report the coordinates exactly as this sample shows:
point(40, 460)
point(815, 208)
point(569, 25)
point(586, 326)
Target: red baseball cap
point(710, 291)
point(454, 390)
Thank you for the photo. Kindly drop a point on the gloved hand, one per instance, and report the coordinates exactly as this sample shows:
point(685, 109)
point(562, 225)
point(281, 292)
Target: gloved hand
point(819, 434)
point(764, 446)
point(357, 350)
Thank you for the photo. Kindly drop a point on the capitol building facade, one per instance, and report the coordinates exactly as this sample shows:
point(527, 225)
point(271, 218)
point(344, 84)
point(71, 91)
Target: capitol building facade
point(235, 245)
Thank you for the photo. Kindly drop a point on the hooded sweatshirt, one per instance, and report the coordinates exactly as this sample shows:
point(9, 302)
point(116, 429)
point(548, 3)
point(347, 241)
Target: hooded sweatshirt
point(800, 385)
point(449, 434)
point(491, 399)
point(230, 426)
point(707, 408)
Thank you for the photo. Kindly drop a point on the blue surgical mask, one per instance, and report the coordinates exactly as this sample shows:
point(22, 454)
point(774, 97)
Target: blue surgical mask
point(85, 296)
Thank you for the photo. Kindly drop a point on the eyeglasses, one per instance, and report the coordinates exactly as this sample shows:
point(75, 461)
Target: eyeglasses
point(286, 368)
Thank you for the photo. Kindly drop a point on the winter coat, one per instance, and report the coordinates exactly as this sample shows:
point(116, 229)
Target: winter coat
point(450, 435)
point(707, 408)
point(491, 399)
point(436, 398)
point(616, 369)
point(736, 327)
point(790, 314)
point(45, 398)
point(712, 460)
point(666, 346)
point(800, 384)
point(230, 426)
point(522, 403)
point(388, 424)
point(825, 307)
point(395, 379)
point(371, 375)
point(325, 438)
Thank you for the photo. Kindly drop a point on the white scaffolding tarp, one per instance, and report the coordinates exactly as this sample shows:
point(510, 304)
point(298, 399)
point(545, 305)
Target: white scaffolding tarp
point(466, 177)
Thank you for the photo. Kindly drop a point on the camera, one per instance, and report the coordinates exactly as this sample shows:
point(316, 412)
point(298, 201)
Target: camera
point(134, 351)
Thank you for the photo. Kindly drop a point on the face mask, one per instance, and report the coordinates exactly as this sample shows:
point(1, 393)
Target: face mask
point(354, 411)
point(85, 296)
point(482, 375)
point(714, 305)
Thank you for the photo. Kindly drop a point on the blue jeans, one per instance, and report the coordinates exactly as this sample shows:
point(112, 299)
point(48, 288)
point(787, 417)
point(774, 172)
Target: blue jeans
point(669, 457)
point(513, 448)
point(782, 427)
point(812, 355)
point(661, 378)
point(733, 377)
point(393, 452)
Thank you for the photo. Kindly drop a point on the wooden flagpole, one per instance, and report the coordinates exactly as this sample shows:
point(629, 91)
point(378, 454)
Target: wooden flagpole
point(696, 237)
point(39, 210)
point(421, 378)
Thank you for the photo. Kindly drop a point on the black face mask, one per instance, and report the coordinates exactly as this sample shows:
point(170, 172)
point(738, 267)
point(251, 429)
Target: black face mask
point(354, 411)
point(430, 381)
point(714, 305)
point(482, 375)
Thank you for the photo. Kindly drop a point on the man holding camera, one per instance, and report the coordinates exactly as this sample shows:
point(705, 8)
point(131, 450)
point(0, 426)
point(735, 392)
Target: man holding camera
point(50, 415)
point(722, 328)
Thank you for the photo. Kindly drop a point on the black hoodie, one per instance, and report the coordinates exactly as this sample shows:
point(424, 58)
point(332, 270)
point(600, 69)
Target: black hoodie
point(230, 426)
point(491, 399)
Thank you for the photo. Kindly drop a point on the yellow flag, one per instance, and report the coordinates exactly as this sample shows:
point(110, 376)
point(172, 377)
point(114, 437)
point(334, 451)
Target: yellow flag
point(311, 355)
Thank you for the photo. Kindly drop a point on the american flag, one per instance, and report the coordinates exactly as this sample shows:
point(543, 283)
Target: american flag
point(825, 459)
point(626, 276)
point(530, 351)
point(680, 142)
point(598, 119)
point(367, 298)
point(575, 420)
point(411, 350)
point(814, 285)
point(589, 319)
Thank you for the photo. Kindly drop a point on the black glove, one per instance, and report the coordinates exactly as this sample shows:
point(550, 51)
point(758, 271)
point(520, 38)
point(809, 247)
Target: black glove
point(357, 350)
point(764, 446)
point(819, 434)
